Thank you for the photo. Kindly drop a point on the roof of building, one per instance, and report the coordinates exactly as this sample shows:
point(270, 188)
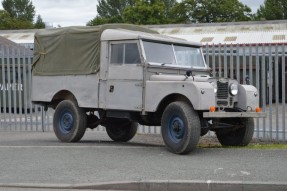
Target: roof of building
point(5, 41)
point(19, 36)
point(260, 32)
point(257, 32)
point(9, 48)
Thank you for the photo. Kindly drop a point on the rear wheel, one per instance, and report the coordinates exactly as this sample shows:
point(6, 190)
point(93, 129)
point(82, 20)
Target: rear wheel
point(180, 127)
point(240, 136)
point(69, 121)
point(121, 130)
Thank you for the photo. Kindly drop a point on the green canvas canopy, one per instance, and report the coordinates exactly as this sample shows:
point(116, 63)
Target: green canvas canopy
point(72, 50)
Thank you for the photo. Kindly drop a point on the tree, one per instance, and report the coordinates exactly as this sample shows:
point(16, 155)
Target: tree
point(7, 22)
point(39, 23)
point(23, 24)
point(183, 12)
point(22, 10)
point(272, 10)
point(21, 14)
point(207, 11)
point(177, 14)
point(110, 11)
point(120, 11)
point(169, 6)
point(260, 15)
point(170, 11)
point(145, 12)
point(102, 20)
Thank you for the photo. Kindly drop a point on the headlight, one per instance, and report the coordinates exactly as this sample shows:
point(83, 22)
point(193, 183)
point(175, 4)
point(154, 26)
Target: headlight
point(214, 84)
point(233, 89)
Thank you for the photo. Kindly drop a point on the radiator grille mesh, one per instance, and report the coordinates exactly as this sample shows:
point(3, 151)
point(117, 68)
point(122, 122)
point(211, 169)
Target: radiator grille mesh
point(222, 90)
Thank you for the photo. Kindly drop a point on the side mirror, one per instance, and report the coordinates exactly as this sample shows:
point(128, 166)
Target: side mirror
point(188, 73)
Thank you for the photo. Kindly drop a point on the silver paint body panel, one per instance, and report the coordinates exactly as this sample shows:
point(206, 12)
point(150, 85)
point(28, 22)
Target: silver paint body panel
point(83, 87)
point(136, 87)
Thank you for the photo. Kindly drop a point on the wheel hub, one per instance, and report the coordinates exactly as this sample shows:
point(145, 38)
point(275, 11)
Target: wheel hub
point(66, 122)
point(176, 129)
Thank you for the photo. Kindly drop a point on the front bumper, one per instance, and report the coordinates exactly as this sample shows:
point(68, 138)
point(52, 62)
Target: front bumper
point(223, 114)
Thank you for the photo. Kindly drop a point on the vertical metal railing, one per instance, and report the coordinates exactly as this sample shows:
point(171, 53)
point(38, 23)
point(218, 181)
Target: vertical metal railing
point(264, 65)
point(17, 111)
point(283, 91)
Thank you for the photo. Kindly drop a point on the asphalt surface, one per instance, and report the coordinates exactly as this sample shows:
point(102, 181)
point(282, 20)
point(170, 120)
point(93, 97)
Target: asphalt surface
point(36, 158)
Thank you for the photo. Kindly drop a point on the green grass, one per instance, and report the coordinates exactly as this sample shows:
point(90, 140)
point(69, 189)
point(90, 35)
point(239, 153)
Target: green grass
point(250, 146)
point(267, 146)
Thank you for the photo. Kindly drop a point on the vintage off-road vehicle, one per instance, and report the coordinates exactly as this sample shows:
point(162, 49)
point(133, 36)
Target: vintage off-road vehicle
point(119, 76)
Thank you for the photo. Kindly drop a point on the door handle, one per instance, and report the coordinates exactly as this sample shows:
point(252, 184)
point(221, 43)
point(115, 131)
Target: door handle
point(112, 89)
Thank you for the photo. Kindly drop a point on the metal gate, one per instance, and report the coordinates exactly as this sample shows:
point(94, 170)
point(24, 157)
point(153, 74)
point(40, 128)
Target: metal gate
point(263, 66)
point(17, 111)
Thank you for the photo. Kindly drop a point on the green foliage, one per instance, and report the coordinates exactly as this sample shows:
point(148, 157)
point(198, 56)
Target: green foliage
point(110, 11)
point(184, 11)
point(207, 11)
point(178, 14)
point(17, 14)
point(272, 10)
point(153, 12)
point(102, 20)
point(260, 13)
point(170, 11)
point(39, 23)
point(120, 11)
point(250, 146)
point(169, 6)
point(23, 24)
point(22, 10)
point(145, 12)
point(7, 22)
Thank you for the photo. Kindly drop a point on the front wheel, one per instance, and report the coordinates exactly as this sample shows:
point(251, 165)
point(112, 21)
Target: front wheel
point(240, 136)
point(180, 126)
point(69, 121)
point(120, 130)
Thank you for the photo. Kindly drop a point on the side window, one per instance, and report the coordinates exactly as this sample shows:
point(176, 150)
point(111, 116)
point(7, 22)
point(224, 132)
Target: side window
point(126, 53)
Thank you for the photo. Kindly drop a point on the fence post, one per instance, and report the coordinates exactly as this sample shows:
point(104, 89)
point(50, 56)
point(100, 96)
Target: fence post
point(283, 92)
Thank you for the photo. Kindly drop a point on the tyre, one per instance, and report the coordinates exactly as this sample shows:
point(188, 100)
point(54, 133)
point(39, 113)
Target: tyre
point(69, 122)
point(241, 136)
point(180, 126)
point(120, 130)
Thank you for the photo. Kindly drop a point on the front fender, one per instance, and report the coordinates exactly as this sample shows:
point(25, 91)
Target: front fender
point(200, 94)
point(248, 97)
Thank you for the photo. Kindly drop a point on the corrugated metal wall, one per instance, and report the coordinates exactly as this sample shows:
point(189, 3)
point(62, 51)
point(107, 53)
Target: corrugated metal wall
point(263, 66)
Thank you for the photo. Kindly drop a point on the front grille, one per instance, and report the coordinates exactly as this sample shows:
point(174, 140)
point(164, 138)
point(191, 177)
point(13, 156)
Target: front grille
point(231, 100)
point(222, 90)
point(222, 103)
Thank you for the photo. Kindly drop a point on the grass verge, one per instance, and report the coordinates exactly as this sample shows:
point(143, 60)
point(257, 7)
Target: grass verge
point(250, 146)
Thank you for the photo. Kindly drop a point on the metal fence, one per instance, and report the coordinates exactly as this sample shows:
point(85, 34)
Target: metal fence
point(263, 66)
point(17, 112)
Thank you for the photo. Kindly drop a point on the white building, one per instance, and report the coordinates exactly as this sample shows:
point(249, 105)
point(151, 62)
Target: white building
point(260, 32)
point(242, 33)
point(21, 37)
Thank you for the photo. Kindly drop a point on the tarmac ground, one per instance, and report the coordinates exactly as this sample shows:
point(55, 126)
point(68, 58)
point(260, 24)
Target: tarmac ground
point(38, 161)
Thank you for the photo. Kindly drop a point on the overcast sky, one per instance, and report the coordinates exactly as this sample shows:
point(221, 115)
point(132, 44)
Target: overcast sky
point(79, 12)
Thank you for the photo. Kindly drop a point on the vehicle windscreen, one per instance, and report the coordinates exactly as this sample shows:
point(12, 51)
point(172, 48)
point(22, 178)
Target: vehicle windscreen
point(171, 54)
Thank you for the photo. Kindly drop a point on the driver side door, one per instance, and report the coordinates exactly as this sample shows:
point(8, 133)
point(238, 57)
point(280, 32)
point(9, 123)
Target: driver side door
point(125, 77)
